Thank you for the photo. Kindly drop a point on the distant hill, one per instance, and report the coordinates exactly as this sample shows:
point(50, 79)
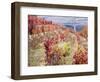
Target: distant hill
point(84, 31)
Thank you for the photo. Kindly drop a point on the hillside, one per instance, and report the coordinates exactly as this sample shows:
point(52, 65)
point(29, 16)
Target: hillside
point(55, 44)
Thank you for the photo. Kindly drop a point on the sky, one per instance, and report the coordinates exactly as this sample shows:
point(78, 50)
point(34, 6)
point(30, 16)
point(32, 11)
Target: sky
point(66, 19)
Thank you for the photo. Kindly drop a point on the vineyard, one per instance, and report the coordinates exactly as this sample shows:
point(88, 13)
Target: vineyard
point(50, 43)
